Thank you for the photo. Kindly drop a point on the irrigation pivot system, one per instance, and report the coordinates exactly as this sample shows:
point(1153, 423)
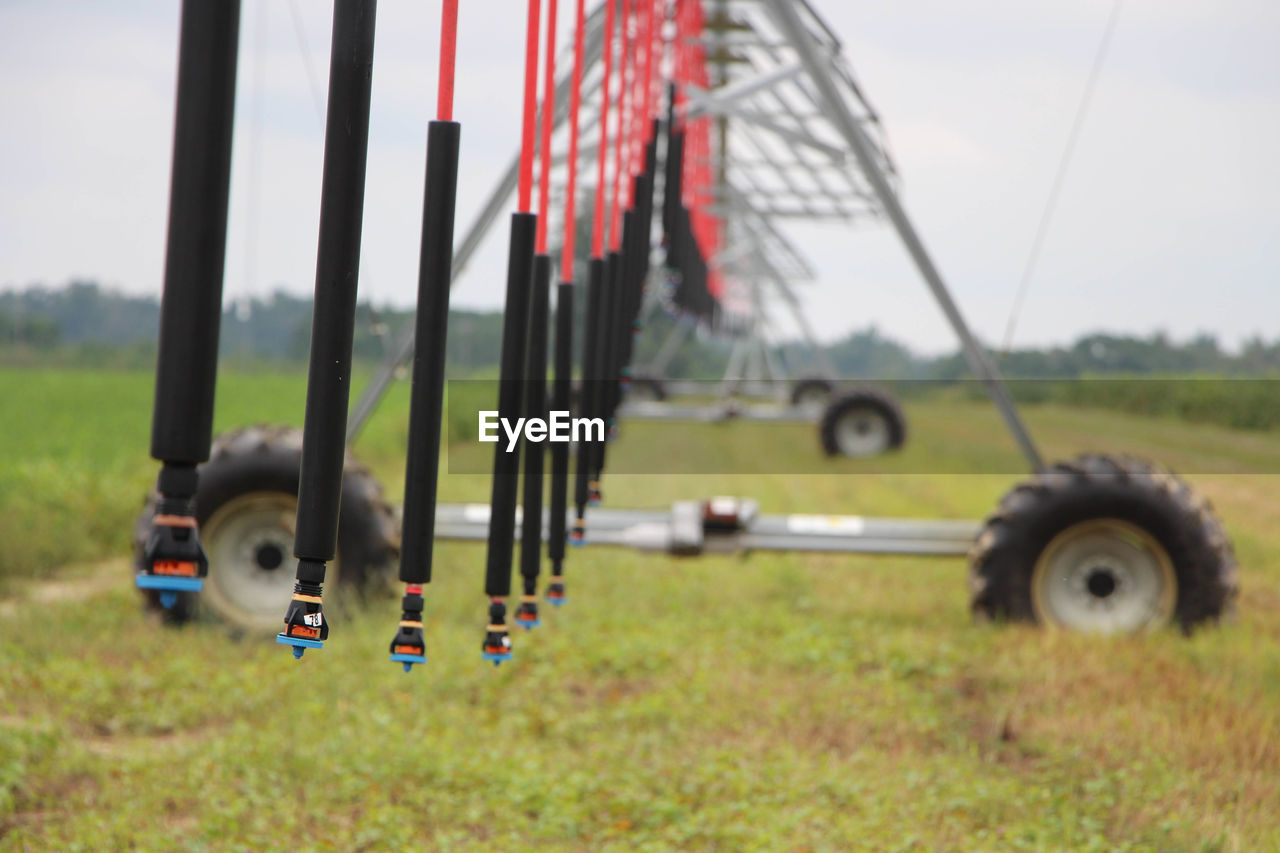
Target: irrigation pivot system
point(702, 127)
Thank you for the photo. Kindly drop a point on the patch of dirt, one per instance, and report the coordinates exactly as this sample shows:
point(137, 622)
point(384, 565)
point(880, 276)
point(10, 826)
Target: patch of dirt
point(124, 746)
point(608, 691)
point(79, 582)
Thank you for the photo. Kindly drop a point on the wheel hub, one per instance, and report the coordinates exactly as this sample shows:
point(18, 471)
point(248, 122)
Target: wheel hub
point(862, 432)
point(249, 540)
point(269, 556)
point(1105, 576)
point(1101, 583)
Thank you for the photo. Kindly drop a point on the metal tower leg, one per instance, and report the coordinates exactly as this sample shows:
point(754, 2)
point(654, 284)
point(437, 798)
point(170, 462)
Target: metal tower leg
point(675, 338)
point(784, 13)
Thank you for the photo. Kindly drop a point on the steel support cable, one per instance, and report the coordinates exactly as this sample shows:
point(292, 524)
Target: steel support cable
point(304, 49)
point(1060, 174)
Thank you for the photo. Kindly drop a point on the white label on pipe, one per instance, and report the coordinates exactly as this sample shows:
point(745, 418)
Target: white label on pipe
point(850, 525)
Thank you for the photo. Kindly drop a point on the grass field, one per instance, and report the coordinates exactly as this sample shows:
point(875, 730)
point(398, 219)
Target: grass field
point(772, 703)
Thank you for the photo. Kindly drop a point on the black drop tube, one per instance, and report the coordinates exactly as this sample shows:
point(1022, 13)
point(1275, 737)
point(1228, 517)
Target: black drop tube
point(633, 278)
point(621, 320)
point(647, 198)
point(590, 378)
point(674, 181)
point(560, 391)
point(195, 254)
point(426, 401)
point(604, 357)
point(535, 393)
point(608, 393)
point(506, 465)
point(346, 145)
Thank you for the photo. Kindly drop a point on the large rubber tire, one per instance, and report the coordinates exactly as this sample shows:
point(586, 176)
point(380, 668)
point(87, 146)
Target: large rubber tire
point(812, 391)
point(864, 422)
point(1095, 544)
point(246, 504)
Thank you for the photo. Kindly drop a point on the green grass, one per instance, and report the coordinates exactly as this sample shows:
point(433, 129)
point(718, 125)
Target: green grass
point(782, 702)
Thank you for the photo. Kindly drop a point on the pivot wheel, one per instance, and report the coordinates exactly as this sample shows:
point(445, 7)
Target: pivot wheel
point(246, 507)
point(862, 423)
point(812, 393)
point(249, 540)
point(646, 389)
point(1103, 545)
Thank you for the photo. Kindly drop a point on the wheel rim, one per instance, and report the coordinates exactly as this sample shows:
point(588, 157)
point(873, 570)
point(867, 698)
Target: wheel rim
point(249, 540)
point(862, 431)
point(1104, 576)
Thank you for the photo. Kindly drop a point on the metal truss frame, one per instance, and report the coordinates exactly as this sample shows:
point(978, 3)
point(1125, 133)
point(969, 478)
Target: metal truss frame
point(802, 142)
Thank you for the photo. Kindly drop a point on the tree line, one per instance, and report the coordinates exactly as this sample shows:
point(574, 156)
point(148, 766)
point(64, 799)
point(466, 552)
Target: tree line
point(83, 322)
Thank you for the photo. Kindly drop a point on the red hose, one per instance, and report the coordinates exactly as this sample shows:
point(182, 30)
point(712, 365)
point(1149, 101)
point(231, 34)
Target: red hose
point(645, 81)
point(640, 115)
point(615, 214)
point(571, 184)
point(548, 110)
point(597, 224)
point(448, 57)
point(530, 106)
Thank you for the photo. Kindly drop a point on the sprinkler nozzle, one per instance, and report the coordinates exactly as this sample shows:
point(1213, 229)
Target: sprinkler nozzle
point(173, 560)
point(527, 612)
point(497, 642)
point(555, 590)
point(409, 646)
point(578, 536)
point(304, 623)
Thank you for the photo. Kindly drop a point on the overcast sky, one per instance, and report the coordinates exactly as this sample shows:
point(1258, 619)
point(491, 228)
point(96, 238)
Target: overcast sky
point(1169, 219)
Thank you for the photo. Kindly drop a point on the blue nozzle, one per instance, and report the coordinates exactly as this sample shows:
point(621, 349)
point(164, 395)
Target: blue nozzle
point(299, 645)
point(528, 624)
point(556, 602)
point(496, 657)
point(166, 583)
point(408, 660)
point(168, 599)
